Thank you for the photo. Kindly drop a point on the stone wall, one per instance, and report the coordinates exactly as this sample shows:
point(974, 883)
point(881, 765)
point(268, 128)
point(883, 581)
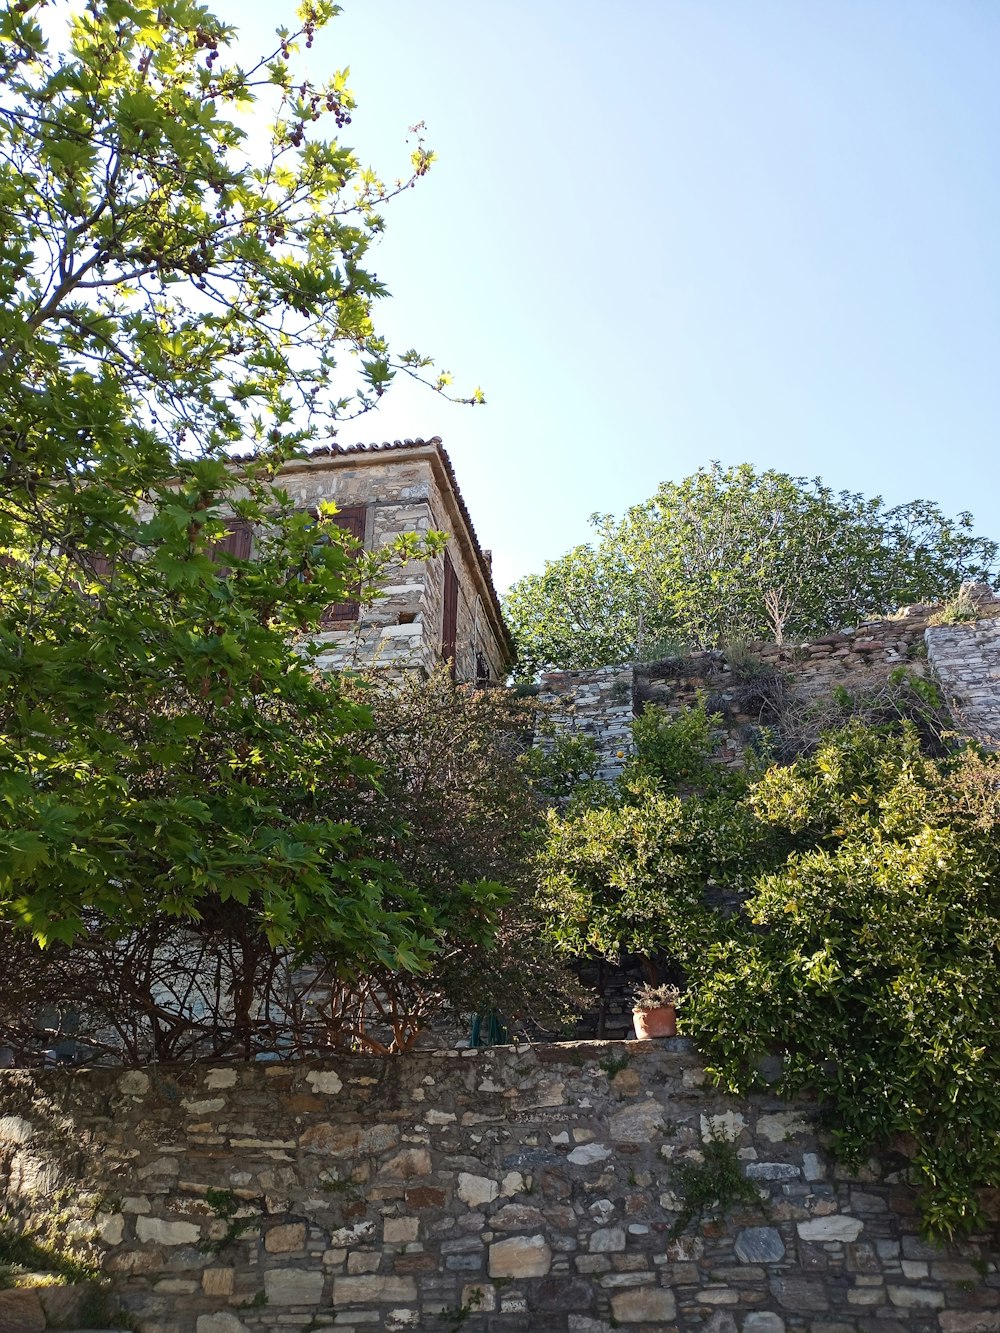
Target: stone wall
point(518, 1188)
point(406, 489)
point(963, 658)
point(598, 704)
point(966, 660)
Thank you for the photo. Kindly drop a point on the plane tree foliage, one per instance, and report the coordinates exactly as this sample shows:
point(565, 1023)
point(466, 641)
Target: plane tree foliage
point(177, 280)
point(733, 554)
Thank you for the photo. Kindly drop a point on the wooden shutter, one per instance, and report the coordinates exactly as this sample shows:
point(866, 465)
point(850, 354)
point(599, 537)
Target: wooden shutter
point(237, 542)
point(449, 626)
point(99, 565)
point(352, 520)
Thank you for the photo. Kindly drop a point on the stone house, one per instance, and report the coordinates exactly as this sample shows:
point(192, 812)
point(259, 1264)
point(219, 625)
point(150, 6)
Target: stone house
point(445, 608)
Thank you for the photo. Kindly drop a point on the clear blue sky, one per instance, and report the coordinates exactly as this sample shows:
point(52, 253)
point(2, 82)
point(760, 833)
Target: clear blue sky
point(666, 231)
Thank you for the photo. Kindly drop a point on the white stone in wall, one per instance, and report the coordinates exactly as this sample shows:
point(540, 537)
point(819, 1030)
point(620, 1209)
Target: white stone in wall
point(220, 1323)
point(325, 1081)
point(158, 1231)
point(293, 1286)
point(476, 1190)
point(644, 1305)
point(588, 1153)
point(520, 1256)
point(836, 1227)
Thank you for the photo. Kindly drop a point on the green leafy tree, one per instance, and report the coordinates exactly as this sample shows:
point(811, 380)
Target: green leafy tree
point(624, 869)
point(172, 286)
point(732, 554)
point(858, 937)
point(868, 960)
point(438, 790)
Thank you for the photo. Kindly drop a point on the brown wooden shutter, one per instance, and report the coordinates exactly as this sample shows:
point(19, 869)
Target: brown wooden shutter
point(99, 565)
point(352, 520)
point(237, 542)
point(449, 626)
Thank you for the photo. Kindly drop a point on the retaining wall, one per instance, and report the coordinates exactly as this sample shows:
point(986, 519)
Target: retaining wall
point(519, 1188)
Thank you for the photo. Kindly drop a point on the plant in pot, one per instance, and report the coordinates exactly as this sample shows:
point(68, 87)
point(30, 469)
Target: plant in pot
point(654, 1011)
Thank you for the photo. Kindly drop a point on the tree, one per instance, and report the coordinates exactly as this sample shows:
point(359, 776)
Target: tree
point(868, 960)
point(858, 936)
point(440, 791)
point(730, 554)
point(170, 288)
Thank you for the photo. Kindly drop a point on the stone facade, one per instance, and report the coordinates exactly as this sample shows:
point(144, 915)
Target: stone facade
point(514, 1188)
point(964, 659)
point(407, 486)
point(597, 704)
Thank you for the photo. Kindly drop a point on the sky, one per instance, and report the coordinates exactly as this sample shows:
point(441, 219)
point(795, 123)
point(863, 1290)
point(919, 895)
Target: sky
point(662, 232)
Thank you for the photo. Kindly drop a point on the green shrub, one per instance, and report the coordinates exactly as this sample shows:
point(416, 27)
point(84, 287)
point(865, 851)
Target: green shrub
point(866, 948)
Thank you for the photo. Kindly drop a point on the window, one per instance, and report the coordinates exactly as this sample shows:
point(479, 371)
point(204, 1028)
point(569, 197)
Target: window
point(237, 542)
point(449, 627)
point(352, 520)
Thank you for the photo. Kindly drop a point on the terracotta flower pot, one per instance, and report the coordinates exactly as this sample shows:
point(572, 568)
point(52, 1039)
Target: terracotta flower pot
point(655, 1022)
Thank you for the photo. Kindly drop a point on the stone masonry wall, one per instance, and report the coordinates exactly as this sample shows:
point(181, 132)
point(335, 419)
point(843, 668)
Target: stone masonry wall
point(402, 628)
point(963, 658)
point(598, 704)
point(516, 1188)
point(966, 660)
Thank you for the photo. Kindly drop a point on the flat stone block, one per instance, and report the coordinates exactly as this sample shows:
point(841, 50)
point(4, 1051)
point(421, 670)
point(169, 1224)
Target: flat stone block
point(772, 1171)
point(643, 1305)
point(218, 1281)
point(916, 1298)
point(520, 1256)
point(371, 1288)
point(293, 1286)
point(158, 1231)
point(220, 1323)
point(400, 1230)
point(759, 1245)
point(969, 1321)
point(835, 1227)
point(799, 1293)
point(607, 1240)
point(476, 1190)
point(285, 1239)
point(763, 1321)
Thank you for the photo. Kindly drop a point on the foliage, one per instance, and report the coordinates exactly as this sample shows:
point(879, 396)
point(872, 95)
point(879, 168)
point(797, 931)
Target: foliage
point(732, 554)
point(656, 997)
point(225, 1205)
point(712, 1186)
point(455, 1316)
point(677, 751)
point(440, 793)
point(23, 1253)
point(560, 761)
point(456, 807)
point(904, 696)
point(861, 943)
point(868, 960)
point(629, 877)
point(171, 287)
point(581, 611)
point(958, 610)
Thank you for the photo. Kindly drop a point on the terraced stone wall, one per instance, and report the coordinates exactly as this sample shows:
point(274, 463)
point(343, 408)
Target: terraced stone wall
point(963, 658)
point(519, 1188)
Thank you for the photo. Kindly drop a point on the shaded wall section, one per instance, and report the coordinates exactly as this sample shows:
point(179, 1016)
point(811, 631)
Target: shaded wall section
point(507, 1189)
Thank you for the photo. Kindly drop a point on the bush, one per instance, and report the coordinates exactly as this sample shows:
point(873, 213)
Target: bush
point(438, 801)
point(868, 960)
point(864, 944)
